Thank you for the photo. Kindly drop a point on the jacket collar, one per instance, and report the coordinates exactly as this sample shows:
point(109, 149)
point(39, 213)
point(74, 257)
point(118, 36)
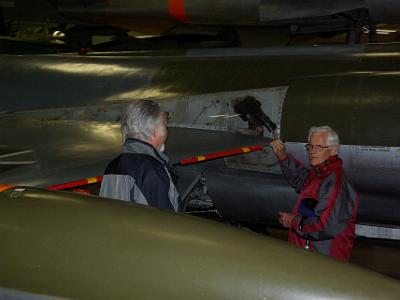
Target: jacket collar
point(332, 164)
point(132, 145)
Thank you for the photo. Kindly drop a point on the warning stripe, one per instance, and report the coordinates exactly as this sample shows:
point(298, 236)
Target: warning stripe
point(176, 9)
point(91, 180)
point(74, 184)
point(221, 154)
point(4, 187)
point(246, 149)
point(201, 158)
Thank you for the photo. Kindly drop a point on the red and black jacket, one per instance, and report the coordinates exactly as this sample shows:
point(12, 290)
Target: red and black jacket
point(330, 229)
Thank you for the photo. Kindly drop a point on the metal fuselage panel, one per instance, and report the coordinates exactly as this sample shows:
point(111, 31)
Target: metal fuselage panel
point(164, 75)
point(353, 89)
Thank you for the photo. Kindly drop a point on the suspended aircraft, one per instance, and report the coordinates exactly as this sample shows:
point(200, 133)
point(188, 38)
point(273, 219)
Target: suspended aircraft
point(229, 19)
point(60, 114)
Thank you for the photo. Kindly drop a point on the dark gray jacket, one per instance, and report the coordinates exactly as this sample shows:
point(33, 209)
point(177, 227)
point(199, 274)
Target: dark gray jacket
point(140, 174)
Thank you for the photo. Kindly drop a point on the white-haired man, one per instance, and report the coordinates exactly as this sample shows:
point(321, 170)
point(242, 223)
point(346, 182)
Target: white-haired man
point(141, 173)
point(323, 219)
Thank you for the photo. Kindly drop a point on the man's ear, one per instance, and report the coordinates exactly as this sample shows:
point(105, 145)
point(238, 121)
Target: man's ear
point(152, 137)
point(333, 150)
point(154, 132)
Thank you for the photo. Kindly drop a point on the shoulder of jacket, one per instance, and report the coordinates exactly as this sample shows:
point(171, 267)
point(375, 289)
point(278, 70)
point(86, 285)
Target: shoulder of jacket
point(330, 180)
point(125, 163)
point(332, 176)
point(139, 158)
point(149, 166)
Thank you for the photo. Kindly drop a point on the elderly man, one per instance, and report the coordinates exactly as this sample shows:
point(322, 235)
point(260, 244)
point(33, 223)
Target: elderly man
point(323, 219)
point(141, 173)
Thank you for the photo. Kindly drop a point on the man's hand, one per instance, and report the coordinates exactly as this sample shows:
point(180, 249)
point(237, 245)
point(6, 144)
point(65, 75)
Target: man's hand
point(286, 219)
point(279, 149)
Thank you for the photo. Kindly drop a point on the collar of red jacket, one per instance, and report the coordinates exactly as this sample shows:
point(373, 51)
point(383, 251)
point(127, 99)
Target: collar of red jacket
point(332, 164)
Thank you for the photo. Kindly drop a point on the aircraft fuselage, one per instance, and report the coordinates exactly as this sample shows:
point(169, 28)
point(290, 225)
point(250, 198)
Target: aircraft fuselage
point(70, 100)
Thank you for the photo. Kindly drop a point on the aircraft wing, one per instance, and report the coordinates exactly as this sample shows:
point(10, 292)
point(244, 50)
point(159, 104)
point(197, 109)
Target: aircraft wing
point(38, 152)
point(41, 153)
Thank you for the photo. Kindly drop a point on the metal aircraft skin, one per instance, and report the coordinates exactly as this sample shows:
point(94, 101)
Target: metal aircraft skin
point(60, 245)
point(160, 16)
point(60, 117)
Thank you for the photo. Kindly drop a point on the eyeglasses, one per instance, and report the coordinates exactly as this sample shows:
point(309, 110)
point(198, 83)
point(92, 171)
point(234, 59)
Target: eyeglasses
point(318, 148)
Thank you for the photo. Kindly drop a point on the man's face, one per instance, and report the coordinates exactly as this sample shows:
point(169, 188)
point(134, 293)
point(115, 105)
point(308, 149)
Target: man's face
point(319, 151)
point(160, 136)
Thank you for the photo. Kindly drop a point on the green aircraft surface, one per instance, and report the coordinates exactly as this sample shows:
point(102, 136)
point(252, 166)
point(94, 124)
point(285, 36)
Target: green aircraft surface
point(61, 245)
point(60, 117)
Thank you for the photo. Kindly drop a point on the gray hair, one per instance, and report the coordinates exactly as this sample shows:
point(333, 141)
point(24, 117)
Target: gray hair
point(333, 138)
point(139, 119)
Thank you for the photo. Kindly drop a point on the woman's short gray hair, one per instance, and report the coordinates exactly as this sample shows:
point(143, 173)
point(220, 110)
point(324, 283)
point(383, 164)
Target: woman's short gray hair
point(139, 119)
point(333, 138)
